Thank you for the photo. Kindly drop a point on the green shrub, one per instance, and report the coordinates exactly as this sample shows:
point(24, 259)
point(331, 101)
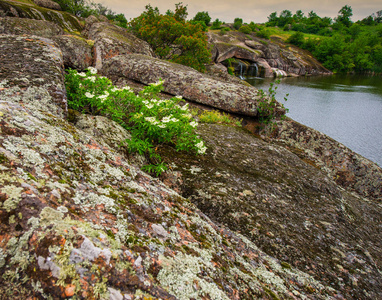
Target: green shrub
point(216, 24)
point(245, 29)
point(172, 37)
point(215, 116)
point(151, 121)
point(263, 33)
point(296, 39)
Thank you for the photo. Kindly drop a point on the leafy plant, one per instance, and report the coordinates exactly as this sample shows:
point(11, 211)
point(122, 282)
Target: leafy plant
point(245, 29)
point(268, 106)
point(203, 16)
point(237, 23)
point(215, 116)
point(151, 121)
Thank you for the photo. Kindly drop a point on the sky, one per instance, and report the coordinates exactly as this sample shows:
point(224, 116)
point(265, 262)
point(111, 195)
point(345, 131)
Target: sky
point(248, 10)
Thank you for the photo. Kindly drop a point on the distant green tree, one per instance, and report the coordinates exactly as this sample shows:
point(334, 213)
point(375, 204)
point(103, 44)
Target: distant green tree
point(272, 19)
point(344, 15)
point(298, 16)
point(285, 18)
point(237, 23)
point(216, 24)
point(245, 29)
point(172, 37)
point(203, 16)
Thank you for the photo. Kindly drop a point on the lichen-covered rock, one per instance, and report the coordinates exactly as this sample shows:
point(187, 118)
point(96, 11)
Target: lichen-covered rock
point(78, 220)
point(19, 26)
point(31, 72)
point(111, 40)
point(287, 207)
point(347, 168)
point(186, 82)
point(48, 4)
point(267, 54)
point(29, 10)
point(228, 50)
point(78, 52)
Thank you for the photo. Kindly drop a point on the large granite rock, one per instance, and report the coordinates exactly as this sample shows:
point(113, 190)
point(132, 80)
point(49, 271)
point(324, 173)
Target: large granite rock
point(347, 168)
point(29, 10)
point(19, 26)
point(79, 220)
point(48, 4)
point(287, 207)
point(78, 52)
point(31, 72)
point(186, 82)
point(111, 40)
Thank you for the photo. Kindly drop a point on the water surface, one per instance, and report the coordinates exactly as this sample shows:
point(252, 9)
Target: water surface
point(347, 108)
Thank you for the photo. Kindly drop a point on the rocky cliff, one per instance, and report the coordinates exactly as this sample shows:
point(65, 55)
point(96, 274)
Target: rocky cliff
point(285, 214)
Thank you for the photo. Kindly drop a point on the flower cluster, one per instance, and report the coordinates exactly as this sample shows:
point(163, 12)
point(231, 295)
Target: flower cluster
point(152, 121)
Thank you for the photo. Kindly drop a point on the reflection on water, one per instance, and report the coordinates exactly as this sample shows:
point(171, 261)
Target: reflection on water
point(347, 108)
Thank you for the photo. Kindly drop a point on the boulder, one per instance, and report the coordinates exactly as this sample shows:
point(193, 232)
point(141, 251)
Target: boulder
point(349, 169)
point(111, 40)
point(31, 72)
point(228, 50)
point(78, 52)
point(48, 4)
point(28, 10)
point(186, 82)
point(288, 207)
point(19, 26)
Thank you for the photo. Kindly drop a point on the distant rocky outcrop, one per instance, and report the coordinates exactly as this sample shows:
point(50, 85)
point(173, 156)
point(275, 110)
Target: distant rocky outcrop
point(271, 56)
point(287, 213)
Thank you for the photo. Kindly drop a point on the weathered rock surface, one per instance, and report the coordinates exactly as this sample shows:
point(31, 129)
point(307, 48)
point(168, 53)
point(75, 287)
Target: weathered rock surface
point(25, 9)
point(111, 40)
point(77, 52)
point(347, 168)
point(270, 55)
point(77, 219)
point(19, 26)
point(31, 72)
point(184, 81)
point(48, 4)
point(288, 208)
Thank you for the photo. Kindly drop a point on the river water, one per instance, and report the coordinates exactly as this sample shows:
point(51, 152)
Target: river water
point(347, 108)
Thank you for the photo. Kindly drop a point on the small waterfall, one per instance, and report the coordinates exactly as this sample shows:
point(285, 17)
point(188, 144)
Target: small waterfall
point(253, 70)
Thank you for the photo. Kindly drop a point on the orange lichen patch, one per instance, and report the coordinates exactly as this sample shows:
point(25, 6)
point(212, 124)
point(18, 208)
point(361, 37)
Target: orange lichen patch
point(185, 235)
point(4, 239)
point(92, 145)
point(69, 290)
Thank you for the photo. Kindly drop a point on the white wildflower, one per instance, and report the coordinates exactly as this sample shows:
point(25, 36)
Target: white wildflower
point(174, 120)
point(92, 78)
point(92, 70)
point(114, 89)
point(126, 88)
point(151, 120)
point(178, 97)
point(188, 116)
point(194, 124)
point(185, 107)
point(166, 119)
point(201, 148)
point(150, 106)
point(82, 74)
point(162, 125)
point(89, 95)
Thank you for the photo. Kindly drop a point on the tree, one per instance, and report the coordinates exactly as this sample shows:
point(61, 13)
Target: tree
point(237, 23)
point(285, 18)
point(203, 16)
point(172, 37)
point(344, 16)
point(298, 16)
point(272, 19)
point(216, 24)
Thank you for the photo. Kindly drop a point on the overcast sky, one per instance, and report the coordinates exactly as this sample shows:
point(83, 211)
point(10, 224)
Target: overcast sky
point(256, 11)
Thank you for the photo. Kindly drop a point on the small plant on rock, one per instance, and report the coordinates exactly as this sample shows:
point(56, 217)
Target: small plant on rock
point(150, 120)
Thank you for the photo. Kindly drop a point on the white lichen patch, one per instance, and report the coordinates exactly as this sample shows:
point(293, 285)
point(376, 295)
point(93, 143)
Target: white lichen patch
point(13, 197)
point(91, 200)
point(179, 275)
